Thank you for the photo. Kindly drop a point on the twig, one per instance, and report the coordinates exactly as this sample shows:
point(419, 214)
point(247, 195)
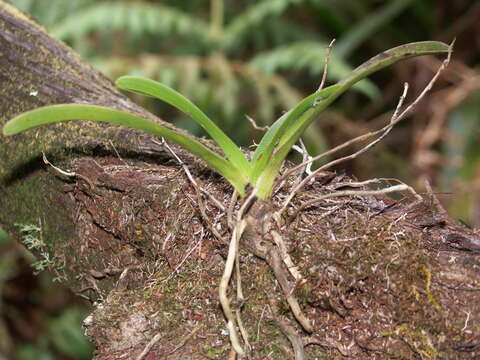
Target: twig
point(174, 272)
point(259, 322)
point(63, 172)
point(383, 132)
point(328, 52)
point(116, 152)
point(66, 173)
point(255, 126)
point(199, 190)
point(435, 200)
point(149, 346)
point(190, 177)
point(185, 339)
point(395, 188)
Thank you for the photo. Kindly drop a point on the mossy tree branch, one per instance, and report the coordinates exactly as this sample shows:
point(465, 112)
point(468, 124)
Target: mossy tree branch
point(385, 277)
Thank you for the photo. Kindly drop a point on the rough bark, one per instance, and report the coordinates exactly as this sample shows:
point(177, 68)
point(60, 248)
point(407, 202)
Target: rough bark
point(382, 279)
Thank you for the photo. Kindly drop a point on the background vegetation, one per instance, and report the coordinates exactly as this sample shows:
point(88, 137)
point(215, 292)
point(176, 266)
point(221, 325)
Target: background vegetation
point(258, 58)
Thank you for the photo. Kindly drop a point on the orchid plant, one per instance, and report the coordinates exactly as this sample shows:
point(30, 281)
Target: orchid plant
point(262, 169)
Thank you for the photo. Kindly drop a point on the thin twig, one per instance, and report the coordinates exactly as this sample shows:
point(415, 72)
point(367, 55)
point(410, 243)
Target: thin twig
point(174, 272)
point(116, 152)
point(63, 172)
point(395, 188)
point(185, 339)
point(217, 203)
point(328, 52)
point(67, 173)
point(395, 119)
point(255, 126)
point(199, 190)
point(149, 346)
point(435, 200)
point(259, 322)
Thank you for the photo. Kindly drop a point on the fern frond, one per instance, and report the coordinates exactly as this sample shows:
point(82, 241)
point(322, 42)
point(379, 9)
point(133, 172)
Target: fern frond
point(252, 17)
point(54, 12)
point(360, 32)
point(308, 56)
point(136, 18)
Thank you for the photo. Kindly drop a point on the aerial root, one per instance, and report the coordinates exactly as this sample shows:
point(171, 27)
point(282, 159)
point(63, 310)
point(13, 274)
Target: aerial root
point(288, 330)
point(275, 261)
point(222, 289)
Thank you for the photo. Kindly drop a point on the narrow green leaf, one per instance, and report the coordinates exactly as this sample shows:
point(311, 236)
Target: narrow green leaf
point(155, 89)
point(267, 177)
point(308, 55)
point(369, 25)
point(263, 153)
point(306, 117)
point(57, 113)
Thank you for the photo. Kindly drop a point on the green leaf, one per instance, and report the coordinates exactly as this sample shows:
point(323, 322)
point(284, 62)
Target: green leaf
point(263, 153)
point(155, 89)
point(306, 110)
point(358, 33)
point(57, 113)
point(309, 55)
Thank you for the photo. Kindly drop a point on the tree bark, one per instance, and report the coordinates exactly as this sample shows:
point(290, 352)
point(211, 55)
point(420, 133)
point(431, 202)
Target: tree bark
point(379, 278)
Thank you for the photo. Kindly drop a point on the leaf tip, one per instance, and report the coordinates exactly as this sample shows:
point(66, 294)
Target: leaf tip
point(7, 129)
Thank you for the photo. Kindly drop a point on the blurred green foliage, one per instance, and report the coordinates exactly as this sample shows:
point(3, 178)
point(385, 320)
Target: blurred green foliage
point(67, 336)
point(260, 57)
point(231, 58)
point(63, 334)
point(3, 236)
point(234, 58)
